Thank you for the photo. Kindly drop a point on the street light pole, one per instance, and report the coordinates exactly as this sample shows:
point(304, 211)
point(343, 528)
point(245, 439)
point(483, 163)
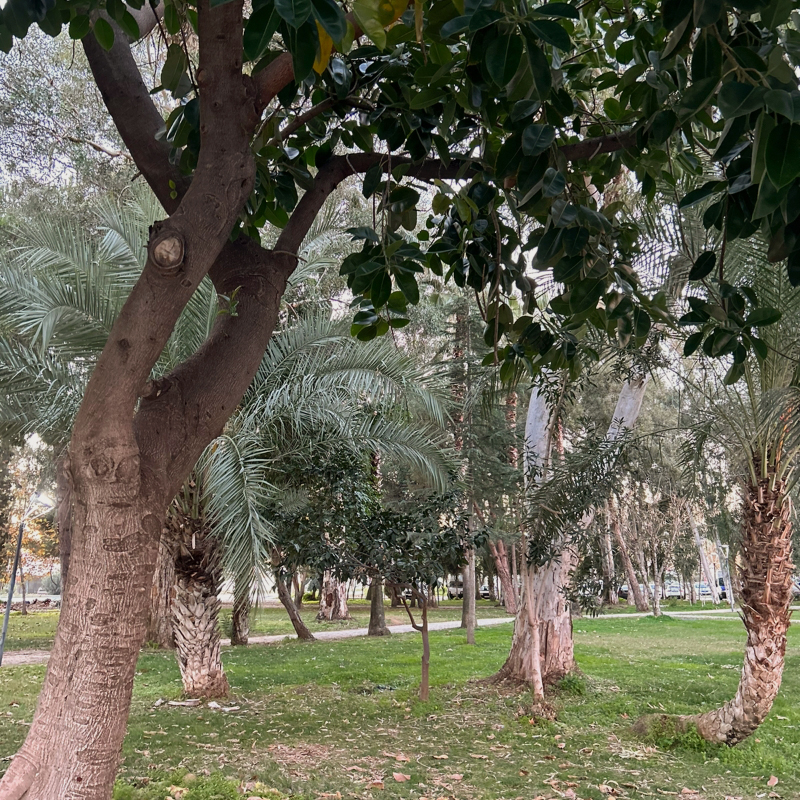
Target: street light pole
point(11, 589)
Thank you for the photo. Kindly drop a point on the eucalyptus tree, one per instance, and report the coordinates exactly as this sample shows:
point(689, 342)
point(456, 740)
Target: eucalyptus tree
point(516, 126)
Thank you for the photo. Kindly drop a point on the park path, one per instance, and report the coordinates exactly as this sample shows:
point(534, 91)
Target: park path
point(16, 658)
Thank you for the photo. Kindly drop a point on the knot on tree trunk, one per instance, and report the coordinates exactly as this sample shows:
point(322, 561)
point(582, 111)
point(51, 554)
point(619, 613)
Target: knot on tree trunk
point(166, 252)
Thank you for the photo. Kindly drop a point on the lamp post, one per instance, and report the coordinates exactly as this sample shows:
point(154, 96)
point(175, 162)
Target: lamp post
point(42, 501)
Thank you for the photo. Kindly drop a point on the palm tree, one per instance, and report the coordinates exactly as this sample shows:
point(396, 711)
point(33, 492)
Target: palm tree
point(755, 420)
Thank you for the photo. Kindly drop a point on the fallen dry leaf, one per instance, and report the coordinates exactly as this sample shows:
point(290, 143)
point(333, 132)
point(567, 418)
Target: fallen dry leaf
point(400, 777)
point(178, 791)
point(773, 781)
point(524, 772)
point(477, 755)
point(401, 757)
point(562, 745)
point(376, 785)
point(442, 757)
point(455, 777)
point(689, 791)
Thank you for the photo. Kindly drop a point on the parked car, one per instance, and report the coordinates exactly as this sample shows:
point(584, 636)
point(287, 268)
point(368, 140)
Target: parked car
point(455, 589)
point(484, 592)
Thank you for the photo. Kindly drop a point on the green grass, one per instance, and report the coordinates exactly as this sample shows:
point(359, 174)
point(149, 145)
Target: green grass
point(327, 717)
point(32, 631)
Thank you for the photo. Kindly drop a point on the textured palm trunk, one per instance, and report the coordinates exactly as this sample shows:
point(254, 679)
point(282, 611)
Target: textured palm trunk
point(498, 551)
point(196, 605)
point(159, 625)
point(766, 581)
point(377, 618)
point(332, 599)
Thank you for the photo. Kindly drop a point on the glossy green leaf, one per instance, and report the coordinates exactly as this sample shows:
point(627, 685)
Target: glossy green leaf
point(408, 286)
point(174, 67)
point(502, 58)
point(551, 32)
point(104, 33)
point(540, 67)
point(701, 193)
point(558, 10)
point(331, 16)
point(707, 58)
point(79, 26)
point(697, 97)
point(760, 317)
point(172, 20)
point(692, 343)
point(259, 30)
point(553, 183)
point(703, 266)
point(537, 138)
point(294, 12)
point(737, 98)
point(782, 157)
point(381, 289)
point(707, 12)
point(673, 12)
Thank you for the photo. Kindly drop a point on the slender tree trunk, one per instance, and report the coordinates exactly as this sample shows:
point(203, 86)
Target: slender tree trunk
point(766, 589)
point(395, 597)
point(645, 574)
point(24, 610)
point(498, 551)
point(377, 618)
point(607, 563)
point(432, 599)
point(298, 583)
point(726, 573)
point(196, 605)
point(468, 615)
point(240, 616)
point(656, 595)
point(424, 684)
point(159, 626)
point(701, 552)
point(516, 582)
point(332, 600)
point(285, 596)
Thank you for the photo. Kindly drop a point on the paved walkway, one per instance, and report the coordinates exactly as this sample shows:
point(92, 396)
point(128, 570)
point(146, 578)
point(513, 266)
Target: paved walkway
point(16, 658)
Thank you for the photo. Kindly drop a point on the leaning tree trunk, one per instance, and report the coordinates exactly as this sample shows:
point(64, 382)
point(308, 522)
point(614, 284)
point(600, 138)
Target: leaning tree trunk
point(701, 552)
point(196, 605)
point(377, 618)
point(285, 596)
point(332, 599)
point(159, 625)
point(766, 593)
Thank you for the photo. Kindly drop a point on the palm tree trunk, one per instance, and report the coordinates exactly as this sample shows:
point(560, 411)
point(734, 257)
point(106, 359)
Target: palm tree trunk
point(766, 593)
point(195, 607)
point(377, 618)
point(332, 599)
point(159, 626)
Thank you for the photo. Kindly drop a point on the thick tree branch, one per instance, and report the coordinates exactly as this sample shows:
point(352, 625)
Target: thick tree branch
point(589, 148)
point(135, 116)
point(183, 248)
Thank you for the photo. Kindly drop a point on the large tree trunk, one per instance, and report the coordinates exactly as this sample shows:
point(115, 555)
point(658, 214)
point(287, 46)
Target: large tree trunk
point(159, 625)
point(332, 599)
point(285, 596)
point(498, 551)
point(633, 582)
point(196, 605)
point(377, 618)
point(766, 589)
point(546, 585)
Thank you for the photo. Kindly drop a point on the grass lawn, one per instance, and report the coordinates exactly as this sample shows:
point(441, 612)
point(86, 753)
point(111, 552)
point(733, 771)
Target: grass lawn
point(341, 719)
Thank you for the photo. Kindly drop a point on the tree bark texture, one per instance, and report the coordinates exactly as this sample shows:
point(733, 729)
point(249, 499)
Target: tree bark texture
point(332, 599)
point(195, 606)
point(544, 621)
point(468, 612)
point(607, 556)
point(64, 519)
point(500, 556)
point(159, 626)
point(766, 593)
point(377, 618)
